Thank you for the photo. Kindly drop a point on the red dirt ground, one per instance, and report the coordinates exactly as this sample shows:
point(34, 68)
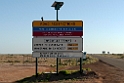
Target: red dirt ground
point(106, 73)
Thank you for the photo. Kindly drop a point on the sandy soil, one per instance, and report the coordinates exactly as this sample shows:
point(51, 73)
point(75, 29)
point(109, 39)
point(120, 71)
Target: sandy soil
point(106, 73)
point(13, 73)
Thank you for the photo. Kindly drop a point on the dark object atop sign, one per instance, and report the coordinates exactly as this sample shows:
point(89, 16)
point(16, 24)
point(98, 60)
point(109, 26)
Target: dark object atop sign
point(57, 5)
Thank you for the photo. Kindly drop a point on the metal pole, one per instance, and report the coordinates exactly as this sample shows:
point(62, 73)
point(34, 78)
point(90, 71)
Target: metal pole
point(57, 58)
point(57, 15)
point(80, 65)
point(36, 67)
point(57, 65)
point(37, 60)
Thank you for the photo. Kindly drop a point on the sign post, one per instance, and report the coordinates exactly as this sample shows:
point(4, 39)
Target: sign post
point(37, 63)
point(81, 65)
point(57, 7)
point(36, 67)
point(57, 60)
point(73, 42)
point(57, 39)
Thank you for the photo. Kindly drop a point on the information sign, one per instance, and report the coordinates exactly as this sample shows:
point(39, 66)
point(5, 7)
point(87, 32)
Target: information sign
point(57, 28)
point(57, 44)
point(57, 54)
point(39, 23)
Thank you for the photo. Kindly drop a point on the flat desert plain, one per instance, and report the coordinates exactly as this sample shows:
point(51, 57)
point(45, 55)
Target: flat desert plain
point(17, 67)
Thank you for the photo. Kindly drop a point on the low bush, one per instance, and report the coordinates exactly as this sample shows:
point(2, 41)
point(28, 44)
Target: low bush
point(119, 54)
point(16, 61)
point(9, 61)
point(65, 72)
point(122, 57)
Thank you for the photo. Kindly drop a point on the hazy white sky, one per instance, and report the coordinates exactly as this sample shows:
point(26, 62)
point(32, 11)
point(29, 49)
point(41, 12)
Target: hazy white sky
point(103, 23)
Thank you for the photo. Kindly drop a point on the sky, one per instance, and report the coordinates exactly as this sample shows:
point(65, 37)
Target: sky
point(103, 23)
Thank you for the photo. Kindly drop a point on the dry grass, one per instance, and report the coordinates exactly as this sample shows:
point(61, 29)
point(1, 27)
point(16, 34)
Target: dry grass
point(8, 73)
point(117, 56)
point(22, 59)
point(27, 59)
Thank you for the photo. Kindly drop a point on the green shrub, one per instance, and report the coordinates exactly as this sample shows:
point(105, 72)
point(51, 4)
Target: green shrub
point(26, 61)
point(119, 54)
point(48, 76)
point(16, 61)
point(43, 81)
point(52, 65)
point(122, 57)
point(65, 72)
point(90, 60)
point(38, 73)
point(88, 69)
point(9, 61)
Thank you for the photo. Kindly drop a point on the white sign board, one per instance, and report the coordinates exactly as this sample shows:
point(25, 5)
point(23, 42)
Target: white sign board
point(57, 44)
point(57, 54)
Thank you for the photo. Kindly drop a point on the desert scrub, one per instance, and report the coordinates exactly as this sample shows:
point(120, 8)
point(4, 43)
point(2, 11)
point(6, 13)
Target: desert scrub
point(44, 80)
point(9, 56)
point(122, 57)
point(9, 61)
point(67, 72)
point(90, 60)
point(52, 65)
point(87, 69)
point(48, 76)
point(17, 61)
point(27, 61)
point(42, 73)
point(119, 54)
